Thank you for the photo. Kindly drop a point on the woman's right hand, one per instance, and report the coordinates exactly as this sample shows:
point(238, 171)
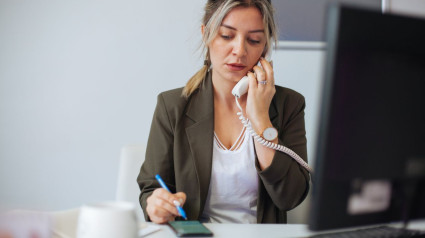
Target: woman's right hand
point(161, 205)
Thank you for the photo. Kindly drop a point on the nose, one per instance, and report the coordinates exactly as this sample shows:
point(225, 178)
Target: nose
point(239, 47)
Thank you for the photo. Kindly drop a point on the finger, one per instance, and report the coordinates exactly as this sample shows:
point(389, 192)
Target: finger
point(259, 72)
point(158, 214)
point(253, 84)
point(164, 194)
point(161, 220)
point(268, 69)
point(175, 200)
point(181, 198)
point(172, 200)
point(167, 206)
point(166, 200)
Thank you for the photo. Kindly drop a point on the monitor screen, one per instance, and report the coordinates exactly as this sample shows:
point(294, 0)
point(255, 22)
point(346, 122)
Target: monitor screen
point(370, 152)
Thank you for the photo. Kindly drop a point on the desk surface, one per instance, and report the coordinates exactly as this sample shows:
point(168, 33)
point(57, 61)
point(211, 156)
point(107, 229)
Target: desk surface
point(259, 230)
point(245, 230)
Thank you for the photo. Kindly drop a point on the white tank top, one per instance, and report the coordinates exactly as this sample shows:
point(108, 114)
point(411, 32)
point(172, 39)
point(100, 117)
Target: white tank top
point(233, 191)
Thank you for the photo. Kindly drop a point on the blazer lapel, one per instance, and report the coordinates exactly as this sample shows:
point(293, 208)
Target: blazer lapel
point(200, 135)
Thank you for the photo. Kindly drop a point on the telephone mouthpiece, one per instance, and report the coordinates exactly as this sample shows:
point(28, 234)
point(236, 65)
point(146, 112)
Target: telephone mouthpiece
point(241, 87)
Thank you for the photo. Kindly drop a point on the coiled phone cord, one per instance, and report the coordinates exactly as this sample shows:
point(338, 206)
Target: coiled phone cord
point(269, 144)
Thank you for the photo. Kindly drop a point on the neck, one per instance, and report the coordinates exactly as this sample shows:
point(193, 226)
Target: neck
point(223, 91)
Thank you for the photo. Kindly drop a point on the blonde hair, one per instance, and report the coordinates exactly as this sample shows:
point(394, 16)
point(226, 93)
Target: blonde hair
point(215, 12)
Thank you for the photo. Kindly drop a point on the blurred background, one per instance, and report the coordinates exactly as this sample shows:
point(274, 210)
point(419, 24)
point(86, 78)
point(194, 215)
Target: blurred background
point(79, 80)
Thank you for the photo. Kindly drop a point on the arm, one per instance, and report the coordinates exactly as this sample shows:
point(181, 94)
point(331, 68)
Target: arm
point(157, 203)
point(285, 180)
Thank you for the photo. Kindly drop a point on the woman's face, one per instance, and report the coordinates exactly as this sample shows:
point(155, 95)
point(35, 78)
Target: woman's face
point(238, 45)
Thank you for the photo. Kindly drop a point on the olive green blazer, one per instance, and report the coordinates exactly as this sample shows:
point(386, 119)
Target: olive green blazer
point(180, 149)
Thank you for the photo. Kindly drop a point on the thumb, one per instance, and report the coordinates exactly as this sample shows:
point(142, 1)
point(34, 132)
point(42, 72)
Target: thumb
point(181, 197)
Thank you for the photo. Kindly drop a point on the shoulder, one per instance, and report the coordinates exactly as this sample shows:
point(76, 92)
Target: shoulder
point(172, 102)
point(173, 94)
point(288, 96)
point(172, 98)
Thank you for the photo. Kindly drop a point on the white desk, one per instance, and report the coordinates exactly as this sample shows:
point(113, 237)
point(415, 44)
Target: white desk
point(64, 225)
point(245, 230)
point(259, 230)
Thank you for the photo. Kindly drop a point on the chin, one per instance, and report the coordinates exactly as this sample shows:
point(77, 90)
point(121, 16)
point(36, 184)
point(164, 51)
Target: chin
point(233, 77)
point(234, 80)
point(236, 77)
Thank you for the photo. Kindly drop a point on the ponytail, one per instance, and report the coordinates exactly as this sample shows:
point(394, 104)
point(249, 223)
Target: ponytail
point(196, 80)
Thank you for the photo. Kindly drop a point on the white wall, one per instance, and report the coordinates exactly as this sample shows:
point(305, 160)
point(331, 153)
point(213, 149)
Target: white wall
point(79, 79)
point(415, 8)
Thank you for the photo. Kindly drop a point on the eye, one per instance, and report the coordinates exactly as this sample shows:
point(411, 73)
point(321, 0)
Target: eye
point(226, 37)
point(252, 41)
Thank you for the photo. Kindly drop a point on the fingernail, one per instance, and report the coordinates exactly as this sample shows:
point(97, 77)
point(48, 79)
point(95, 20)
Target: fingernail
point(181, 200)
point(176, 203)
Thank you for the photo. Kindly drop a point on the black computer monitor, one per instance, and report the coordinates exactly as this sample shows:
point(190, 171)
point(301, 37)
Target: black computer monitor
point(370, 153)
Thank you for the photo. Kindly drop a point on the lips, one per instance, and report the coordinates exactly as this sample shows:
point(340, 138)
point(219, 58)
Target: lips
point(236, 67)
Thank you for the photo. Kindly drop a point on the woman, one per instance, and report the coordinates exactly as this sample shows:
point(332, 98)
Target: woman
point(198, 144)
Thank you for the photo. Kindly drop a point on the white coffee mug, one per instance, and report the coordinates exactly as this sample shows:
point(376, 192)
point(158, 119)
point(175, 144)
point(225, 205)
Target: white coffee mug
point(107, 220)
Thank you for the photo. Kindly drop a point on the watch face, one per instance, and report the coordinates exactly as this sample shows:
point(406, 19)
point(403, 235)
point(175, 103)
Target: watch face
point(270, 133)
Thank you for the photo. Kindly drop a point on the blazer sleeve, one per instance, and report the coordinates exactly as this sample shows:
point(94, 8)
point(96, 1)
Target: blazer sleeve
point(159, 155)
point(287, 182)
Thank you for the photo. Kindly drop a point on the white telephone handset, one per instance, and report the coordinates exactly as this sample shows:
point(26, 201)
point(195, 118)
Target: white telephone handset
point(240, 89)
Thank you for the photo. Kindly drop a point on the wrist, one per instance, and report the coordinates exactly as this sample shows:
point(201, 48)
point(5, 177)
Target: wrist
point(269, 134)
point(260, 124)
point(266, 130)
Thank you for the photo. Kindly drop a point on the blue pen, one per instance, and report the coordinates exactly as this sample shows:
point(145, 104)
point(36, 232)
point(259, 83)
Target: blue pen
point(180, 209)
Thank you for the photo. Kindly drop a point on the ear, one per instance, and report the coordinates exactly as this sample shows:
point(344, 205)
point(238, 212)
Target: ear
point(202, 29)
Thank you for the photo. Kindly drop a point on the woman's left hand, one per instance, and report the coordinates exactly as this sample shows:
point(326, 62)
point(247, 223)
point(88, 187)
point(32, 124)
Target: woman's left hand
point(260, 93)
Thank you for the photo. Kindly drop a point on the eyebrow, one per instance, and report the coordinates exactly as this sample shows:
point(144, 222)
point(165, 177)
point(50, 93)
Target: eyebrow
point(232, 28)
